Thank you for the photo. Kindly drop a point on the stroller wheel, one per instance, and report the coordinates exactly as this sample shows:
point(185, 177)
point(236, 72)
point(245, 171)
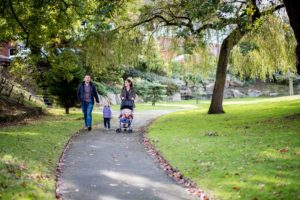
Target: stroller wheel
point(125, 129)
point(130, 131)
point(118, 130)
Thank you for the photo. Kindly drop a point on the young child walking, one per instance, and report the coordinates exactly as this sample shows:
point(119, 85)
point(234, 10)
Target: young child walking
point(106, 115)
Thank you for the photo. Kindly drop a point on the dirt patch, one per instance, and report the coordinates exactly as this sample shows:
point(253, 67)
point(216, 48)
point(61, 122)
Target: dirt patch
point(293, 117)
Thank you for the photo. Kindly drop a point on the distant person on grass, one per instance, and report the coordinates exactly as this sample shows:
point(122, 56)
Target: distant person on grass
point(106, 115)
point(86, 94)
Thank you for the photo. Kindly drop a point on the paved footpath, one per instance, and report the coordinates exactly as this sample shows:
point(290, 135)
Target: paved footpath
point(103, 165)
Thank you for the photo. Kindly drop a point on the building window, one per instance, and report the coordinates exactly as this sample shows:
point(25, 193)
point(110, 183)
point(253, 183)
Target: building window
point(12, 52)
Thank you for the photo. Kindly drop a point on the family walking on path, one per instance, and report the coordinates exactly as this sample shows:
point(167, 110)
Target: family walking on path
point(105, 166)
point(87, 94)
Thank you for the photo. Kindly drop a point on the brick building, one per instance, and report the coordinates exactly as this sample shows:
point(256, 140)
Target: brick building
point(7, 49)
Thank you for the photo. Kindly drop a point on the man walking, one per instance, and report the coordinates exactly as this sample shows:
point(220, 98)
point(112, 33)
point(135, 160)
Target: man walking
point(86, 93)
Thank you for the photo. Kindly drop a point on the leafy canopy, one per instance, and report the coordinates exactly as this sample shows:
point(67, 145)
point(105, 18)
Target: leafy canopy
point(265, 50)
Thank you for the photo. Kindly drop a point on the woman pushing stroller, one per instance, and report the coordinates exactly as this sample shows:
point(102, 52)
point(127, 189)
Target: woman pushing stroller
point(127, 105)
point(128, 91)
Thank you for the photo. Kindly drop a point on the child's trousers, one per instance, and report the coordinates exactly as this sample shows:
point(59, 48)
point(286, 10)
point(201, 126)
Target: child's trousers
point(106, 122)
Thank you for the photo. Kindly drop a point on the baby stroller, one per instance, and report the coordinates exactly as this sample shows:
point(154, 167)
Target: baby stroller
point(126, 116)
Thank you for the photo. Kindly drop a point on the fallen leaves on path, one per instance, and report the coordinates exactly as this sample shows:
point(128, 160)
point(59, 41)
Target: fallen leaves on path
point(173, 173)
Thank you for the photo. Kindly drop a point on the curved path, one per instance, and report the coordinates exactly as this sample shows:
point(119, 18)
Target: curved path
point(103, 165)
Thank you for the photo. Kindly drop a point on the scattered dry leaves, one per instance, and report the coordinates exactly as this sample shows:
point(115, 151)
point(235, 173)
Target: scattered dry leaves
point(176, 175)
point(283, 150)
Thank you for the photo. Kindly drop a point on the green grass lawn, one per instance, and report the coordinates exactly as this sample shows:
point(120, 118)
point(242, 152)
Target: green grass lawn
point(187, 104)
point(159, 106)
point(255, 153)
point(29, 153)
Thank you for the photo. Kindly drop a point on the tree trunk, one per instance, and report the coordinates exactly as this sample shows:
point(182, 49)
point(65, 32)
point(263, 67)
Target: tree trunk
point(67, 107)
point(292, 9)
point(216, 105)
point(67, 110)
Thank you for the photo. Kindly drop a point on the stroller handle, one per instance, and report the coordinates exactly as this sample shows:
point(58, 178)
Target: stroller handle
point(127, 103)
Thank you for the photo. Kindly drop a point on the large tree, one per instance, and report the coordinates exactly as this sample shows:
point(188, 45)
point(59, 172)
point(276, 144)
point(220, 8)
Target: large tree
point(45, 26)
point(42, 24)
point(49, 27)
point(195, 17)
point(64, 77)
point(292, 8)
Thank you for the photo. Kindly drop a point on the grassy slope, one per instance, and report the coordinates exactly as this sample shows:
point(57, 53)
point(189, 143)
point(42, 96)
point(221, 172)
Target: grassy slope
point(29, 153)
point(247, 159)
point(10, 110)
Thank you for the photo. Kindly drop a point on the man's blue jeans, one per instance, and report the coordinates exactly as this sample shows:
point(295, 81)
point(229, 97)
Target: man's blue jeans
point(87, 108)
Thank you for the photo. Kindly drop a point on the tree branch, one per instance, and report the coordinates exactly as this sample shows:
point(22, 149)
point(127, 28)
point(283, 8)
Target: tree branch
point(19, 22)
point(67, 5)
point(185, 21)
point(218, 25)
point(28, 43)
point(271, 10)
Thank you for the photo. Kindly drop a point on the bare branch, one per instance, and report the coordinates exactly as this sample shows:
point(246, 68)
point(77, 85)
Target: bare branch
point(271, 10)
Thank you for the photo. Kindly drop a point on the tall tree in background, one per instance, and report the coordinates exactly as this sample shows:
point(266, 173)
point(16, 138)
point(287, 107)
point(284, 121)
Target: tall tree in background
point(64, 77)
point(195, 17)
point(264, 51)
point(107, 53)
point(52, 30)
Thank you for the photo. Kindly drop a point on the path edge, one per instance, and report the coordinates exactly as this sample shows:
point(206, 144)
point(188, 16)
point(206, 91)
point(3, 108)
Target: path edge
point(60, 164)
point(185, 182)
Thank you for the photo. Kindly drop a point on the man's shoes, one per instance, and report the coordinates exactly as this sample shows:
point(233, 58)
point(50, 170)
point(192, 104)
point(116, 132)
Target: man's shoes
point(89, 128)
point(85, 128)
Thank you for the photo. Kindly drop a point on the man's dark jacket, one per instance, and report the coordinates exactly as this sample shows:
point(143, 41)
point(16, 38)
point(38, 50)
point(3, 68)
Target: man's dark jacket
point(80, 93)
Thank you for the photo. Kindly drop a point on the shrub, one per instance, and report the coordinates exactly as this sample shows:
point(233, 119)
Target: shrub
point(171, 88)
point(131, 72)
point(141, 87)
point(113, 89)
point(155, 93)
